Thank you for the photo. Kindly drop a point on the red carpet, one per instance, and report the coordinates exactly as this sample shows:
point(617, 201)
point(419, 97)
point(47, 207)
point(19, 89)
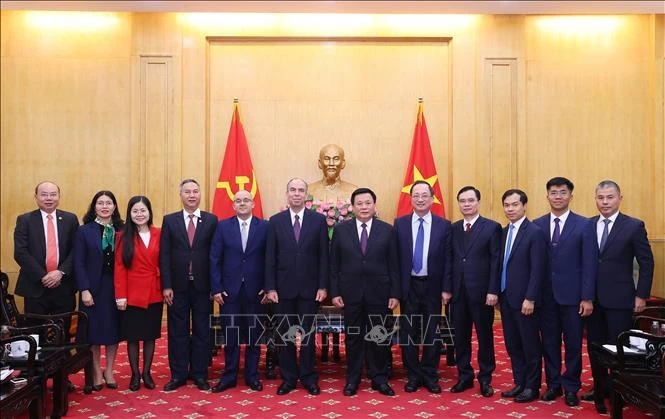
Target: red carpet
point(240, 402)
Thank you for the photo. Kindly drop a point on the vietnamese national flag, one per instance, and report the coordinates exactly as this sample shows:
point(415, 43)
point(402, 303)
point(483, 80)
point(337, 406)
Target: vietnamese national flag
point(237, 172)
point(421, 167)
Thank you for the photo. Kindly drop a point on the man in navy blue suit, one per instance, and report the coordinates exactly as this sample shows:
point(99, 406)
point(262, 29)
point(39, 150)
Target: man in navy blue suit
point(296, 279)
point(237, 261)
point(524, 267)
point(424, 248)
point(184, 264)
point(364, 281)
point(620, 240)
point(476, 282)
point(568, 290)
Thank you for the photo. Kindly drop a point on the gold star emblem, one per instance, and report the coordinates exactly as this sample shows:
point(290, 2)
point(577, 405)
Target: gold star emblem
point(418, 176)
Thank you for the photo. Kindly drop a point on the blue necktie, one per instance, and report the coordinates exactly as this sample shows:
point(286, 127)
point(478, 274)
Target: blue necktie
point(606, 232)
point(418, 251)
point(509, 243)
point(556, 235)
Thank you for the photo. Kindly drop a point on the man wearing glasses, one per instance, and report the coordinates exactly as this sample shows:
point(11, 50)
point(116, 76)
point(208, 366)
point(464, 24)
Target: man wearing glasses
point(424, 243)
point(237, 270)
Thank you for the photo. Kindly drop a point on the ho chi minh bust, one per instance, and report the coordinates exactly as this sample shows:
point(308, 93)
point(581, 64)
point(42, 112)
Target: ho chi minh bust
point(331, 187)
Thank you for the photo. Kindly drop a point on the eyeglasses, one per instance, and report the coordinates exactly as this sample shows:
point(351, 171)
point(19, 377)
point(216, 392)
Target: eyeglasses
point(419, 197)
point(242, 201)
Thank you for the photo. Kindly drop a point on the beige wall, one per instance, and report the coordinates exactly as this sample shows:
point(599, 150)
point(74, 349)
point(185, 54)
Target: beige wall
point(138, 101)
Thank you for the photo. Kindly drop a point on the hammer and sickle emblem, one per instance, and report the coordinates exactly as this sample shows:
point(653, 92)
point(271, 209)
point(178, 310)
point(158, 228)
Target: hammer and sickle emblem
point(241, 181)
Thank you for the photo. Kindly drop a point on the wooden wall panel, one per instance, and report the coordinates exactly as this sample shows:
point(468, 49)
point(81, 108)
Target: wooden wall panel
point(296, 97)
point(157, 152)
point(502, 134)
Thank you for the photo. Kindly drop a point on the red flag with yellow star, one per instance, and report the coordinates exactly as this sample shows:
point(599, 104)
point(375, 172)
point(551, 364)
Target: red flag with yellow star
point(237, 172)
point(421, 167)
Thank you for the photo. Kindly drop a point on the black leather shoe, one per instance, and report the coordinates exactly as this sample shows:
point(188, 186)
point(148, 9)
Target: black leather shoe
point(255, 385)
point(148, 382)
point(70, 386)
point(433, 388)
point(312, 389)
point(513, 392)
point(486, 390)
point(460, 386)
point(173, 385)
point(221, 386)
point(384, 389)
point(87, 389)
point(600, 407)
point(285, 388)
point(526, 396)
point(350, 389)
point(411, 386)
point(134, 383)
point(202, 384)
point(571, 399)
point(551, 394)
point(588, 396)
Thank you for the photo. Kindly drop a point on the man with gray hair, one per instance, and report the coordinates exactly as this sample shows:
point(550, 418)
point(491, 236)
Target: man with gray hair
point(620, 240)
point(184, 267)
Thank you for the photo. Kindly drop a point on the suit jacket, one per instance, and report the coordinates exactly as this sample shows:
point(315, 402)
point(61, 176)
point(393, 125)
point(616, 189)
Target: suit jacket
point(140, 283)
point(375, 275)
point(176, 252)
point(439, 258)
point(627, 240)
point(88, 258)
point(30, 251)
point(477, 264)
point(527, 264)
point(573, 268)
point(297, 268)
point(229, 264)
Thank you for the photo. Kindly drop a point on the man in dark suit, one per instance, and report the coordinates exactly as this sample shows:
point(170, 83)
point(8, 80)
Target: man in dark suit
point(524, 267)
point(424, 248)
point(476, 282)
point(620, 239)
point(364, 281)
point(296, 280)
point(568, 290)
point(237, 261)
point(184, 264)
point(43, 244)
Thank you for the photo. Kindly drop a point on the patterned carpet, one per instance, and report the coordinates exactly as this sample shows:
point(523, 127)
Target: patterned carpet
point(240, 402)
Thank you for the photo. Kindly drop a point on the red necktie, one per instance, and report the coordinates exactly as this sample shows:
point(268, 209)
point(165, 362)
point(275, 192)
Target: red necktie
point(51, 245)
point(191, 229)
point(468, 227)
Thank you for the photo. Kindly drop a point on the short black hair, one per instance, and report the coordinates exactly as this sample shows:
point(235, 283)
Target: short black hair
point(422, 182)
point(361, 191)
point(559, 181)
point(523, 198)
point(469, 188)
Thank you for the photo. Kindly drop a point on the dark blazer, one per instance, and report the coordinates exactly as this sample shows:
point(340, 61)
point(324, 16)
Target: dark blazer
point(30, 251)
point(477, 264)
point(375, 275)
point(175, 251)
point(439, 258)
point(297, 268)
point(527, 264)
point(573, 268)
point(627, 240)
point(229, 264)
point(88, 258)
